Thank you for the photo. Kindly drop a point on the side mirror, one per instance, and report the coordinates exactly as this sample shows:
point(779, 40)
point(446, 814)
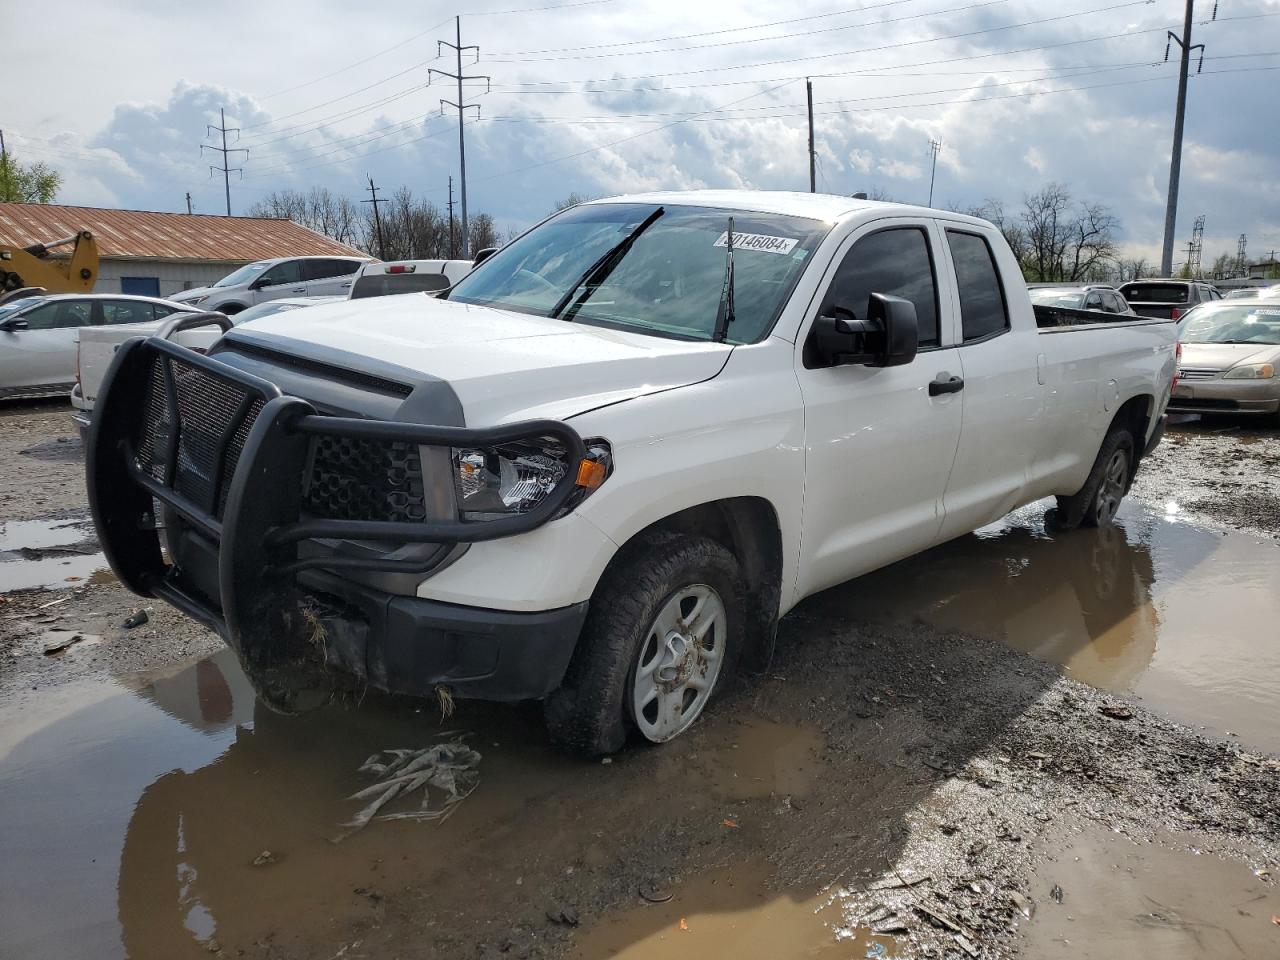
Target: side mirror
point(888, 337)
point(261, 282)
point(17, 323)
point(483, 255)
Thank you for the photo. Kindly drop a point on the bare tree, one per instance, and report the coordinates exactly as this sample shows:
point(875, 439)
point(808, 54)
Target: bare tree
point(318, 210)
point(1223, 266)
point(1091, 246)
point(483, 232)
point(1133, 269)
point(572, 200)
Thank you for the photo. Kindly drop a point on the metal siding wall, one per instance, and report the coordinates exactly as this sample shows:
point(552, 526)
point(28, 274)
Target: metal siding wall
point(173, 277)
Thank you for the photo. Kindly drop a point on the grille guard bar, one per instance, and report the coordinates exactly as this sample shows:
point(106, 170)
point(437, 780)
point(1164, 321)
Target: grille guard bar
point(262, 523)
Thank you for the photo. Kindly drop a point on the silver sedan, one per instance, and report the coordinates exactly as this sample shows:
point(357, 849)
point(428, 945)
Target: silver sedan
point(1230, 358)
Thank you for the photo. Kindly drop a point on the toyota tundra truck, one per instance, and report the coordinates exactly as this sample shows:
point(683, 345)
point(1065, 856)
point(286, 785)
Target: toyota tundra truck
point(600, 468)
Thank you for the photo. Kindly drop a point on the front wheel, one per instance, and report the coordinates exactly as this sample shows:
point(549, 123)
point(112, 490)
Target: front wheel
point(1098, 501)
point(661, 634)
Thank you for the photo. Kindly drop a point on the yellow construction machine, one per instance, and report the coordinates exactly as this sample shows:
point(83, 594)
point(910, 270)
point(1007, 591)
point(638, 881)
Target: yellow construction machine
point(34, 267)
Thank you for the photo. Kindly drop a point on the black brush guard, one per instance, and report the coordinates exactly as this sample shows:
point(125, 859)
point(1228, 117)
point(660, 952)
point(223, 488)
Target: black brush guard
point(236, 479)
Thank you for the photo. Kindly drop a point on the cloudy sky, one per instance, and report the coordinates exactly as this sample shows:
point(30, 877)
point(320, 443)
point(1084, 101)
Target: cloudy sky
point(607, 96)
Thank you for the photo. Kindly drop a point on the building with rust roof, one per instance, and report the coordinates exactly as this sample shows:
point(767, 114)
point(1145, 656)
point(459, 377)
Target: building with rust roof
point(158, 254)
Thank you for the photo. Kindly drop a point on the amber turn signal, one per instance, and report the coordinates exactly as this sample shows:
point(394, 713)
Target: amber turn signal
point(591, 474)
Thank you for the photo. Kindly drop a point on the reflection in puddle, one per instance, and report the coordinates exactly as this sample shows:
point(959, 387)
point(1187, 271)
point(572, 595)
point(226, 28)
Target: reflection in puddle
point(148, 804)
point(1179, 615)
point(1124, 899)
point(46, 553)
point(731, 914)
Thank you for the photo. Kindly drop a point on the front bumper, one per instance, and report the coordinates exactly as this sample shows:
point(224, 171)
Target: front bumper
point(1226, 396)
point(224, 456)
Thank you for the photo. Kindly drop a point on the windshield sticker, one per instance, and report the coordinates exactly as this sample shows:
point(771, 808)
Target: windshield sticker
point(758, 241)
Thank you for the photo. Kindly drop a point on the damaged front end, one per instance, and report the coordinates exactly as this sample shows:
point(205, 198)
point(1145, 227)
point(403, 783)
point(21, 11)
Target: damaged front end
point(284, 523)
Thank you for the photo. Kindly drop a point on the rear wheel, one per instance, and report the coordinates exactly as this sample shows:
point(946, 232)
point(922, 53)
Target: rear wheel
point(660, 636)
point(1098, 501)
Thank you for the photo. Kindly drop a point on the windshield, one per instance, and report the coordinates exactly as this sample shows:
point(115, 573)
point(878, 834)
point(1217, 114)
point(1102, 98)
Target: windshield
point(668, 283)
point(243, 275)
point(13, 306)
point(1155, 292)
point(265, 310)
point(1224, 322)
point(1057, 298)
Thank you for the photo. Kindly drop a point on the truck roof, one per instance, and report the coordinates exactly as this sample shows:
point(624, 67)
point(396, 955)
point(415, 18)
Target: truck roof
point(819, 206)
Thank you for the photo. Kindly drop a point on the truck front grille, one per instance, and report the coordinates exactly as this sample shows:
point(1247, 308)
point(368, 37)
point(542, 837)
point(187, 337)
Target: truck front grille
point(356, 479)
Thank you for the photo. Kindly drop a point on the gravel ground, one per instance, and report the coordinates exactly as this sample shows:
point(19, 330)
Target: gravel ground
point(938, 755)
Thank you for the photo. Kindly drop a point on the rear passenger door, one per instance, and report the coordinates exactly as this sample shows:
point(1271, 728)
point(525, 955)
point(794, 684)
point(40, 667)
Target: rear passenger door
point(328, 277)
point(879, 443)
point(1002, 394)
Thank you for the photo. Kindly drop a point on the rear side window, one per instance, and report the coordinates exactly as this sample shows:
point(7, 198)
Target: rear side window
point(1155, 292)
point(127, 311)
point(385, 284)
point(895, 262)
point(323, 269)
point(983, 312)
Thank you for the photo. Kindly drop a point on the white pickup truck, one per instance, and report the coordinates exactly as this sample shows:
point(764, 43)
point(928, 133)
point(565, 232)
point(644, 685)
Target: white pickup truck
point(624, 446)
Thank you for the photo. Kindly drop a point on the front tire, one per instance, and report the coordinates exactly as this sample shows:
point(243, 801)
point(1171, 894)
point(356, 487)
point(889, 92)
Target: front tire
point(661, 634)
point(1099, 499)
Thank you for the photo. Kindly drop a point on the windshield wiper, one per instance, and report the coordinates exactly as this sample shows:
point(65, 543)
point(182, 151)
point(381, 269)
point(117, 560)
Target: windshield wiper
point(600, 270)
point(724, 313)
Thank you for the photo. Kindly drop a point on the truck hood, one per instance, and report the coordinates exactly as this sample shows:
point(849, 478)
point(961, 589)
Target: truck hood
point(502, 365)
point(1221, 356)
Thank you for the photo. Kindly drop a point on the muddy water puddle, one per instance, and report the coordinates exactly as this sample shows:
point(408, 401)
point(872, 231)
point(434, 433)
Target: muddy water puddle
point(1177, 614)
point(166, 814)
point(732, 914)
point(47, 553)
point(1150, 899)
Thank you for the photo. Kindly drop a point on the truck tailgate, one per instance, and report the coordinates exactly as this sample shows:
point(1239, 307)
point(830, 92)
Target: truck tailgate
point(98, 346)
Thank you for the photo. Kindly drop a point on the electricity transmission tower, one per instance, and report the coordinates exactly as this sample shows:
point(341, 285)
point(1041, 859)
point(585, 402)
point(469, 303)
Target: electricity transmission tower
point(224, 150)
point(1242, 266)
point(934, 147)
point(1195, 248)
point(1185, 47)
point(462, 108)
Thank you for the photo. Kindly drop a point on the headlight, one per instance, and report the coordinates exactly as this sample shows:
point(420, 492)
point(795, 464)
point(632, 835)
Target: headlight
point(195, 300)
point(1251, 371)
point(514, 478)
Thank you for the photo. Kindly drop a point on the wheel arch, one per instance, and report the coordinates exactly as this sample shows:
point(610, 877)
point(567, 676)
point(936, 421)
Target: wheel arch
point(1136, 414)
point(750, 529)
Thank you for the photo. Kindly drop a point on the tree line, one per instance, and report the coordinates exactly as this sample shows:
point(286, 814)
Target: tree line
point(412, 228)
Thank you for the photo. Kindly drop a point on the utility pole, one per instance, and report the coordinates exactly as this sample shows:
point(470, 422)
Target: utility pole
point(462, 108)
point(377, 220)
point(4, 165)
point(1175, 161)
point(934, 147)
point(188, 201)
point(453, 252)
point(813, 165)
point(224, 150)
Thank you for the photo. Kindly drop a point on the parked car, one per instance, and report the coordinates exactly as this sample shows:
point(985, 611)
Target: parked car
point(273, 279)
point(1252, 293)
point(1167, 299)
point(662, 422)
point(407, 276)
point(1100, 297)
point(1230, 357)
point(38, 336)
point(97, 346)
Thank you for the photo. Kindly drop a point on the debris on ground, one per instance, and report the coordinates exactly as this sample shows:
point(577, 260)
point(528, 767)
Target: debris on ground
point(1116, 712)
point(63, 644)
point(653, 893)
point(1056, 894)
point(135, 619)
point(1022, 904)
point(265, 858)
point(449, 767)
point(563, 914)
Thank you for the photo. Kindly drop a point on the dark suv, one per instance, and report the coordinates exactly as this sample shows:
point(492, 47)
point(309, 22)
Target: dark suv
point(1167, 299)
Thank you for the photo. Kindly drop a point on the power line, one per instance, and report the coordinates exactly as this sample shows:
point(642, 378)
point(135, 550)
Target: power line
point(225, 151)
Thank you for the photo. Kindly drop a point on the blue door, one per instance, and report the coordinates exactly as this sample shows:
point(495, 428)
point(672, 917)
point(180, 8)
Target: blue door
point(140, 286)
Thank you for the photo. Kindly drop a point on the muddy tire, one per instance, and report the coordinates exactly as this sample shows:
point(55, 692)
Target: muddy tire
point(1099, 499)
point(662, 633)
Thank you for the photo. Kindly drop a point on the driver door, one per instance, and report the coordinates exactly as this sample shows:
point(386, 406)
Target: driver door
point(879, 443)
point(43, 356)
point(282, 280)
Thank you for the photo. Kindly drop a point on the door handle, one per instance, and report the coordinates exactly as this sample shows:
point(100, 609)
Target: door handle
point(298, 290)
point(949, 385)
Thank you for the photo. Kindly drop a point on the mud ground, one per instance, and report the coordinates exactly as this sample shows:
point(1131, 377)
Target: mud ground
point(887, 788)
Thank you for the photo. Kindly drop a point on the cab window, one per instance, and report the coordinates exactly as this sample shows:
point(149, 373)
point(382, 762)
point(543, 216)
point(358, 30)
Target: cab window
point(983, 311)
point(896, 261)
